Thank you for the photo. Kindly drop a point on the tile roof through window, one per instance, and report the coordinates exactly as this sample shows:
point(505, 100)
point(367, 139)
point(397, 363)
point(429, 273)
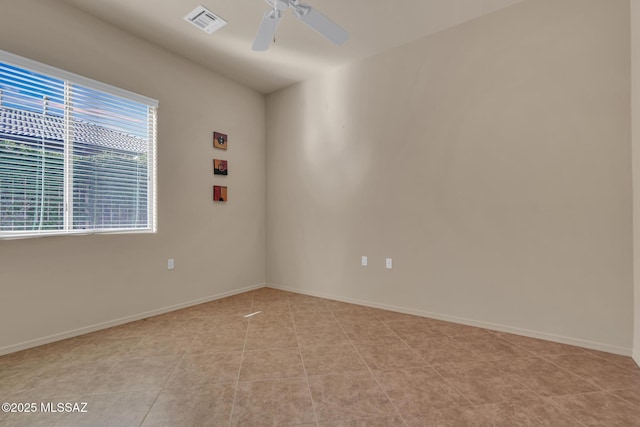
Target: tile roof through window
point(28, 124)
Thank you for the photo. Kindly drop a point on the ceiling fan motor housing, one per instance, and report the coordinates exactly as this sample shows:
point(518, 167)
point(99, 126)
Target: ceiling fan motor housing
point(281, 5)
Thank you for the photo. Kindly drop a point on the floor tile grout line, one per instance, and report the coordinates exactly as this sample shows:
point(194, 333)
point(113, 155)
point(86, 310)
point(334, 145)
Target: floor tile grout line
point(371, 372)
point(165, 382)
point(536, 353)
point(155, 399)
point(450, 384)
point(470, 348)
point(593, 383)
point(623, 389)
point(601, 359)
point(601, 389)
point(604, 358)
point(306, 375)
point(622, 399)
point(435, 370)
point(535, 393)
point(540, 397)
point(514, 379)
point(550, 401)
point(244, 346)
point(38, 376)
point(579, 394)
point(494, 362)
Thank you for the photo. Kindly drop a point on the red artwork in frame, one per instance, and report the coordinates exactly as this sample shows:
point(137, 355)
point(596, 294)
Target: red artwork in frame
point(219, 193)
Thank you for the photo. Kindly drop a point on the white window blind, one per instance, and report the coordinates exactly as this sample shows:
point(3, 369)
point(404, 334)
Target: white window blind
point(76, 155)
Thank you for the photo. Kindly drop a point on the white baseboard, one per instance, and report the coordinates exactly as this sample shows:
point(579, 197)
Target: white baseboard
point(496, 327)
point(470, 322)
point(104, 325)
point(636, 356)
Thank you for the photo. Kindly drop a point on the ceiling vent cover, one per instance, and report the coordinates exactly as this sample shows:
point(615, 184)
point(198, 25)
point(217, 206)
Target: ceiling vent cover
point(206, 20)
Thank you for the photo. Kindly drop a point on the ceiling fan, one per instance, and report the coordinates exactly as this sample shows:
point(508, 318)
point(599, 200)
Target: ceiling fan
point(310, 16)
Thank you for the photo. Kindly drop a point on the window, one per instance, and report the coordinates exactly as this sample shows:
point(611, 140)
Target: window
point(76, 156)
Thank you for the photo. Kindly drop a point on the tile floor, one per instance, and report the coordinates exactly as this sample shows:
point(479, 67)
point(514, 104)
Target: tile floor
point(306, 361)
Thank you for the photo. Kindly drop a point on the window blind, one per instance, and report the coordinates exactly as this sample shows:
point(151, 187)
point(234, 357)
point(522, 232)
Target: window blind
point(76, 155)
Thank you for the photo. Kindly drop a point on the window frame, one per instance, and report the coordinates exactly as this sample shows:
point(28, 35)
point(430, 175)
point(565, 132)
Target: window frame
point(71, 79)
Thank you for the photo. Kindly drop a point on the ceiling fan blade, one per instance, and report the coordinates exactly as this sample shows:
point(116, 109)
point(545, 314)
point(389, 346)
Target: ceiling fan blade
point(320, 23)
point(267, 30)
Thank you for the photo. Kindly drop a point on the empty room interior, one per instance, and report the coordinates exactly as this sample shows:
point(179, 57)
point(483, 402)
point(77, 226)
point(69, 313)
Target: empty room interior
point(428, 217)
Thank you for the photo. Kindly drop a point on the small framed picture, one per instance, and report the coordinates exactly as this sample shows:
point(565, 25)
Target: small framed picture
point(220, 140)
point(220, 167)
point(219, 193)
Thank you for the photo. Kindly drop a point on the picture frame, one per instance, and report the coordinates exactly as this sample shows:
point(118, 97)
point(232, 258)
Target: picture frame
point(220, 167)
point(219, 193)
point(220, 140)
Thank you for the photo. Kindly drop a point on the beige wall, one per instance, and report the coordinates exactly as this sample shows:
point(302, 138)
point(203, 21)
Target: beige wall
point(635, 129)
point(491, 161)
point(59, 284)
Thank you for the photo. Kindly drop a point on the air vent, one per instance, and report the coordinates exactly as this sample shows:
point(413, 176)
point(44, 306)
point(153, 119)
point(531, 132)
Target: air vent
point(206, 20)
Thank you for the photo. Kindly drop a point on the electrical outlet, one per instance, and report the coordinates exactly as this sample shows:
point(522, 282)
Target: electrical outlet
point(389, 263)
point(365, 261)
point(170, 264)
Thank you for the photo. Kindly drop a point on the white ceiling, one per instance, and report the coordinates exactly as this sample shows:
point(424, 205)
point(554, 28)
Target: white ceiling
point(299, 52)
